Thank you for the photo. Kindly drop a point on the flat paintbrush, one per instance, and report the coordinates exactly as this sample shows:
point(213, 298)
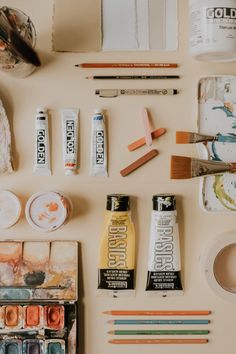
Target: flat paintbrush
point(191, 138)
point(183, 167)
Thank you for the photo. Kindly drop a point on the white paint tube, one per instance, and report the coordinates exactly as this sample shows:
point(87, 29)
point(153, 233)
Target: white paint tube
point(98, 153)
point(42, 151)
point(70, 125)
point(164, 267)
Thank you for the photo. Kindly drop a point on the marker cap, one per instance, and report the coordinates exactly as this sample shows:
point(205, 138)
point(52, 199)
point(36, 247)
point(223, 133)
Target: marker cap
point(164, 202)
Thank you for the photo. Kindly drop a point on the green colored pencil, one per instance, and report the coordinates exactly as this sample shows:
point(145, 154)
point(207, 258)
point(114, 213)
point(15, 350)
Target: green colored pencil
point(159, 332)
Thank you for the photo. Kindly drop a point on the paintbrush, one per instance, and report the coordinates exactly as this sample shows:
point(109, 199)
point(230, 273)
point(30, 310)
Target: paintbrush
point(183, 167)
point(189, 138)
point(14, 41)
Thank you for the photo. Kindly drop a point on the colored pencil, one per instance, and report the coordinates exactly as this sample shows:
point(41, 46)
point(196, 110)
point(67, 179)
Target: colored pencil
point(159, 322)
point(158, 332)
point(159, 341)
point(133, 77)
point(157, 313)
point(127, 65)
point(140, 142)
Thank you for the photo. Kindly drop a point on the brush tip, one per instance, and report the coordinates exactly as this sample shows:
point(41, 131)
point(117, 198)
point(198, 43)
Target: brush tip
point(183, 137)
point(180, 167)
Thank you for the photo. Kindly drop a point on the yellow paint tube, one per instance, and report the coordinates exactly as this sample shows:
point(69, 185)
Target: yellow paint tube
point(117, 249)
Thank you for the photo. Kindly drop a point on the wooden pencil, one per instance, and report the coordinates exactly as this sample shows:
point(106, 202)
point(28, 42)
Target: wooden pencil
point(127, 65)
point(159, 341)
point(158, 322)
point(144, 332)
point(157, 313)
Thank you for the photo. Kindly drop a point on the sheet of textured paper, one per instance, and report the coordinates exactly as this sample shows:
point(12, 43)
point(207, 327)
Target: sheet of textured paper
point(77, 25)
point(171, 25)
point(119, 25)
point(163, 25)
point(142, 19)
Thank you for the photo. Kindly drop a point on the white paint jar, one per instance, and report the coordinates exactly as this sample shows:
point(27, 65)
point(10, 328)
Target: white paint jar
point(48, 211)
point(10, 209)
point(212, 30)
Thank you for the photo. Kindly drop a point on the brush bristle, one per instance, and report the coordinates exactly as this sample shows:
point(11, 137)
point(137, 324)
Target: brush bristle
point(180, 167)
point(183, 137)
point(23, 49)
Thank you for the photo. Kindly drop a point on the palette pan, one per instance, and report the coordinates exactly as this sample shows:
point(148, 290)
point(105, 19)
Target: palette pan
point(38, 294)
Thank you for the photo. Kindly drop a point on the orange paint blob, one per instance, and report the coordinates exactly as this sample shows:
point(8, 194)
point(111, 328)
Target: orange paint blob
point(11, 316)
point(52, 206)
point(54, 316)
point(32, 316)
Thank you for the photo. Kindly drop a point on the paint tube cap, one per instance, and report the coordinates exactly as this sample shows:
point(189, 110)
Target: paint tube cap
point(69, 172)
point(164, 202)
point(10, 209)
point(40, 110)
point(118, 202)
point(98, 111)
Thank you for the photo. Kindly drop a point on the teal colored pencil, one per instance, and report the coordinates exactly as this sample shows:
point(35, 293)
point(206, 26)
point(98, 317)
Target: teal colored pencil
point(159, 332)
point(159, 322)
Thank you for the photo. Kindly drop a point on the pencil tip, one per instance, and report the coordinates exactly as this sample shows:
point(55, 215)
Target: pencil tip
point(106, 312)
point(110, 321)
point(77, 65)
point(111, 332)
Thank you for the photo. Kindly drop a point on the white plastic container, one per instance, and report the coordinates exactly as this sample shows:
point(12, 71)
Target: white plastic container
point(48, 211)
point(212, 30)
point(10, 209)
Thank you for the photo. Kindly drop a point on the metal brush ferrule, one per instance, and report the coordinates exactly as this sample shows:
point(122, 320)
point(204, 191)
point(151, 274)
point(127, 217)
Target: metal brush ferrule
point(208, 167)
point(198, 138)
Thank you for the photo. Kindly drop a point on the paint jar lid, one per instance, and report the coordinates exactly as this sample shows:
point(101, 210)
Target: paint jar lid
point(10, 209)
point(164, 202)
point(118, 202)
point(47, 211)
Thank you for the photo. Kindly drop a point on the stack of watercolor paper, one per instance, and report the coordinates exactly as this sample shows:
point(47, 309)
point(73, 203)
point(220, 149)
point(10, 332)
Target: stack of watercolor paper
point(217, 117)
point(38, 294)
point(110, 25)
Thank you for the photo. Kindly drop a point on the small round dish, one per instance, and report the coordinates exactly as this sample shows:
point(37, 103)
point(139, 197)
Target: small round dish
point(48, 211)
point(10, 209)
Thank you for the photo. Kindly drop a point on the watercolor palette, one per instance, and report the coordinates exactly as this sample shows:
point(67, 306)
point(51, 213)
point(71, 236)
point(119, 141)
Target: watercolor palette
point(217, 116)
point(38, 294)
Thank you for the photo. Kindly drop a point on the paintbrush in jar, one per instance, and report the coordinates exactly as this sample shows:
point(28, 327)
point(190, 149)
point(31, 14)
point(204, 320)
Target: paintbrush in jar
point(183, 167)
point(183, 137)
point(15, 43)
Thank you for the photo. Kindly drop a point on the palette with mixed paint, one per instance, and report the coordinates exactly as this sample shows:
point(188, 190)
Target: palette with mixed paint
point(217, 117)
point(38, 297)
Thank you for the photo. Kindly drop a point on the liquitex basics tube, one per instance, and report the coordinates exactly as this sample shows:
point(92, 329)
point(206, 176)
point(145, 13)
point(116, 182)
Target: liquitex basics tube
point(212, 25)
point(164, 267)
point(42, 151)
point(117, 249)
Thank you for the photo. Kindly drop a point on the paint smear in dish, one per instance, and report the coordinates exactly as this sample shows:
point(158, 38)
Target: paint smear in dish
point(12, 316)
point(32, 316)
point(54, 316)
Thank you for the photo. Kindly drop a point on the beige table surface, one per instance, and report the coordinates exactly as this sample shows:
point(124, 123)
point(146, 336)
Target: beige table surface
point(58, 84)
